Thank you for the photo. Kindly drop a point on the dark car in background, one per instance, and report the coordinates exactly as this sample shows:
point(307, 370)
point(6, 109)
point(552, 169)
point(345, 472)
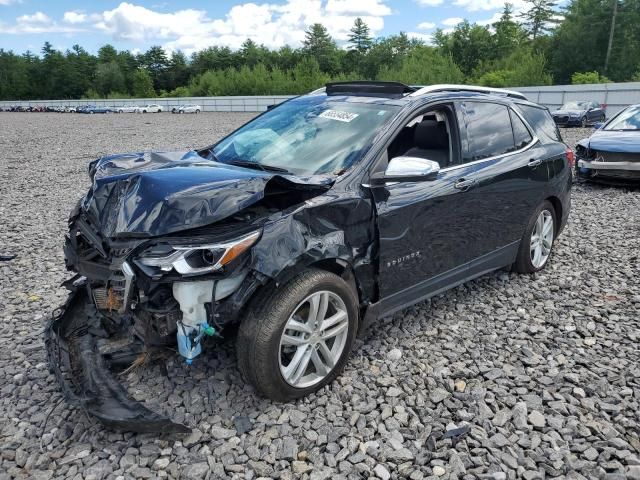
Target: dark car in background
point(94, 109)
point(303, 226)
point(612, 153)
point(579, 114)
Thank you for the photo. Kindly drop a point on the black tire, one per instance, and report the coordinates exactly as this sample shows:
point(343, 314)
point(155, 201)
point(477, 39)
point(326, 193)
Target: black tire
point(603, 118)
point(144, 111)
point(583, 122)
point(197, 111)
point(524, 262)
point(120, 111)
point(260, 332)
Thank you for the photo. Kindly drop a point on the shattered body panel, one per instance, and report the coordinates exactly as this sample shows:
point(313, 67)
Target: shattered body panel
point(141, 200)
point(609, 156)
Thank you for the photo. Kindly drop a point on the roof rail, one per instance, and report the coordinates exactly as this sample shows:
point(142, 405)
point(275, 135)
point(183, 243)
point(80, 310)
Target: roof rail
point(367, 88)
point(420, 90)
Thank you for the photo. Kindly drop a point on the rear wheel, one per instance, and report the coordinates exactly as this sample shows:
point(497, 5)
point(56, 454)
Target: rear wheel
point(537, 242)
point(583, 122)
point(295, 339)
point(197, 111)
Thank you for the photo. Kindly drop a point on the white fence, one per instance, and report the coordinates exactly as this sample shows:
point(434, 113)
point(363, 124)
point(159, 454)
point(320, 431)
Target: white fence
point(208, 104)
point(615, 96)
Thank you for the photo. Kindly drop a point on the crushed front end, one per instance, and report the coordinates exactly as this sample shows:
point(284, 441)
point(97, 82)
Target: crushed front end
point(137, 300)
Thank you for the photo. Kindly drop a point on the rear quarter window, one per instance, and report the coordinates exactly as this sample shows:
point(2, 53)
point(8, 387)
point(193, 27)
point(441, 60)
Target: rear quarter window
point(541, 121)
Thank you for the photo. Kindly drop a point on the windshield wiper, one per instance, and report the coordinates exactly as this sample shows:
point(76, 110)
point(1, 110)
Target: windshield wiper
point(258, 166)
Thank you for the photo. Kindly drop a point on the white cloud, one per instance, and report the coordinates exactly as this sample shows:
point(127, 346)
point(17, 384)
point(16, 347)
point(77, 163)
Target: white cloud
point(452, 22)
point(475, 5)
point(429, 3)
point(9, 2)
point(37, 22)
point(426, 25)
point(74, 17)
point(273, 25)
point(425, 37)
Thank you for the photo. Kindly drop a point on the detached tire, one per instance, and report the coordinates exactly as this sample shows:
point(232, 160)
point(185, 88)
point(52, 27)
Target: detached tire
point(296, 339)
point(537, 242)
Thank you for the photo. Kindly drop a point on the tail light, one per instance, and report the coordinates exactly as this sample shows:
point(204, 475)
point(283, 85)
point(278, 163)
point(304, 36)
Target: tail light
point(571, 157)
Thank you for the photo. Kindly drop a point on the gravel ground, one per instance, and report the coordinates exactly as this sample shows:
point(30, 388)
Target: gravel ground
point(543, 369)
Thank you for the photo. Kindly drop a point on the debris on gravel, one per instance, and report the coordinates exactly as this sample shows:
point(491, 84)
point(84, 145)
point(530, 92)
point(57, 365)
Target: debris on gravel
point(537, 375)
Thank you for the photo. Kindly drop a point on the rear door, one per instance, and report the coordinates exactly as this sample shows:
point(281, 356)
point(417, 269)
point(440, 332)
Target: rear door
point(508, 179)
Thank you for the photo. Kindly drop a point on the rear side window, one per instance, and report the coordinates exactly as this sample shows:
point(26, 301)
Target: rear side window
point(521, 135)
point(488, 130)
point(541, 121)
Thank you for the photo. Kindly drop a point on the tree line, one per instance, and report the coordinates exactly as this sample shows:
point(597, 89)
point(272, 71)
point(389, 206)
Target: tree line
point(588, 41)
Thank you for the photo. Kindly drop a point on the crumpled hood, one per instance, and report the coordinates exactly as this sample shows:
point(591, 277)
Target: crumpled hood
point(613, 141)
point(156, 193)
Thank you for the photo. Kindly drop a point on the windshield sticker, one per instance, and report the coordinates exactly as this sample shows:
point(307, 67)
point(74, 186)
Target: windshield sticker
point(338, 115)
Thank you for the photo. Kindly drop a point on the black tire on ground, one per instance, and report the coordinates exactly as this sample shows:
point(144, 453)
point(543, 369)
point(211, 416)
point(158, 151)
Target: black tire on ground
point(523, 262)
point(259, 334)
point(197, 111)
point(583, 122)
point(603, 118)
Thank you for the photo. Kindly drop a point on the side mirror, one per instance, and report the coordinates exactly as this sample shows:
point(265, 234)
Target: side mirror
point(407, 169)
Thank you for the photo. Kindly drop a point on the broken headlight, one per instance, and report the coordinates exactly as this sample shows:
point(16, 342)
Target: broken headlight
point(197, 259)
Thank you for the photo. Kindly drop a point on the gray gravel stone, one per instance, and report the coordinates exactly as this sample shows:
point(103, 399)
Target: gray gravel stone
point(487, 354)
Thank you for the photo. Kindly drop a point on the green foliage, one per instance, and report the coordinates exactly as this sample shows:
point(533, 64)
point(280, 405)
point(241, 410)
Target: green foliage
point(142, 84)
point(582, 78)
point(506, 54)
point(109, 78)
point(424, 66)
point(523, 67)
point(539, 18)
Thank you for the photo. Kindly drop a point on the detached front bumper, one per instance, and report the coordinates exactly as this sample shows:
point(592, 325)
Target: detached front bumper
point(620, 171)
point(75, 342)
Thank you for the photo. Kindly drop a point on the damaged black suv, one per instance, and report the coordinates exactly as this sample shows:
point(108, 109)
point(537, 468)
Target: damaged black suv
point(304, 225)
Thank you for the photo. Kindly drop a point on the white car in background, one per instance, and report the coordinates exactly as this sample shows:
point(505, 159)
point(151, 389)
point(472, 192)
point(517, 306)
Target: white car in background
point(126, 109)
point(187, 109)
point(151, 108)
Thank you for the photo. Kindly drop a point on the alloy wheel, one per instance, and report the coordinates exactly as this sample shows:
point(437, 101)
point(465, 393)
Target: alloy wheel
point(541, 239)
point(313, 339)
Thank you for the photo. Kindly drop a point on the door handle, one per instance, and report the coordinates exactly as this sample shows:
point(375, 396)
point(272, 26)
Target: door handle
point(464, 185)
point(534, 162)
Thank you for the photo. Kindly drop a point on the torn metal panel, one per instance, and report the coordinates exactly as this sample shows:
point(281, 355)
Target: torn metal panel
point(153, 194)
point(84, 376)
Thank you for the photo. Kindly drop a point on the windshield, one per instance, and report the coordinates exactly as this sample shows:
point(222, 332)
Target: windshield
point(310, 135)
point(629, 119)
point(575, 106)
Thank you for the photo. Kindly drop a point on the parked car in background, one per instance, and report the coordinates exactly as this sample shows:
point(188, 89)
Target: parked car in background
point(95, 109)
point(187, 109)
point(612, 153)
point(126, 109)
point(151, 108)
point(70, 109)
point(579, 114)
point(303, 226)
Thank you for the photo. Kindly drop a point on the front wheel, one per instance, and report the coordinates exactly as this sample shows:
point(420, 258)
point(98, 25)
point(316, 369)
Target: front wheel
point(296, 338)
point(197, 111)
point(583, 122)
point(537, 242)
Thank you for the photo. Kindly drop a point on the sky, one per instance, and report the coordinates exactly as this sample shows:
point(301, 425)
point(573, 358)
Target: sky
point(191, 25)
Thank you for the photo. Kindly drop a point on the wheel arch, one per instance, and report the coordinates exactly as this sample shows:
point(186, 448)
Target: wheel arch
point(557, 206)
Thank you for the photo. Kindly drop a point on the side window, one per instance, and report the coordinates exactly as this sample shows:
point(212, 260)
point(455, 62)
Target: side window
point(488, 130)
point(541, 121)
point(521, 135)
point(426, 136)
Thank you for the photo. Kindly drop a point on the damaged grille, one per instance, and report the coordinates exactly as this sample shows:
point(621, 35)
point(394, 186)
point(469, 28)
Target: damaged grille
point(112, 296)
